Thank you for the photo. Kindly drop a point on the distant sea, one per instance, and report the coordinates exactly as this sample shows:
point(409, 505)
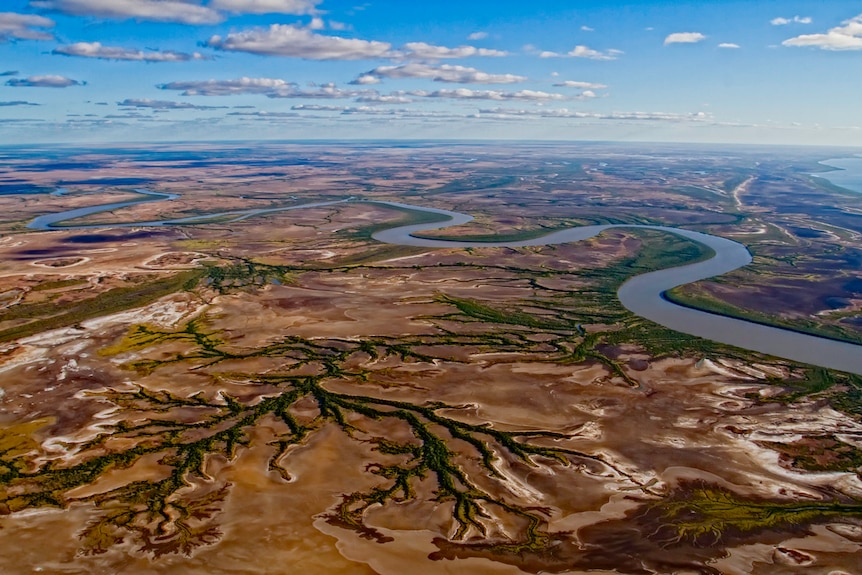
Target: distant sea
point(849, 176)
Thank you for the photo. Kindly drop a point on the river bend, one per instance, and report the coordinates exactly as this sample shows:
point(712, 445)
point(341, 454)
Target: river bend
point(642, 294)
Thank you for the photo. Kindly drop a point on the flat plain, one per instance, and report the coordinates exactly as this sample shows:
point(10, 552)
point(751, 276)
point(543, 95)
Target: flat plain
point(283, 393)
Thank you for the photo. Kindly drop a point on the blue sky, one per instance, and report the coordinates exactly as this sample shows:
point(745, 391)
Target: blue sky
point(710, 71)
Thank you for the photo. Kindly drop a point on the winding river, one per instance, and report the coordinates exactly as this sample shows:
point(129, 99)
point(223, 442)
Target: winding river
point(642, 294)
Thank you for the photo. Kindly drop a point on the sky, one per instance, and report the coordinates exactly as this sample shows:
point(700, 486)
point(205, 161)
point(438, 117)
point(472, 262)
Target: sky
point(755, 72)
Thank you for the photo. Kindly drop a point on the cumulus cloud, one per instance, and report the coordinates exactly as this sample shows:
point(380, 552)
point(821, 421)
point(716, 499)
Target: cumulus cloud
point(318, 108)
point(444, 73)
point(580, 85)
point(795, 20)
point(294, 41)
point(376, 98)
point(49, 81)
point(163, 105)
point(582, 51)
point(684, 38)
point(431, 52)
point(24, 27)
point(229, 87)
point(466, 94)
point(728, 45)
point(155, 10)
point(269, 87)
point(267, 6)
point(97, 50)
point(17, 103)
point(477, 36)
point(848, 36)
point(365, 79)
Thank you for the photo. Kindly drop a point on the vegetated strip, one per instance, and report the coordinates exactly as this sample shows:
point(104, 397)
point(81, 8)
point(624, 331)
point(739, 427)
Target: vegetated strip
point(718, 307)
point(112, 301)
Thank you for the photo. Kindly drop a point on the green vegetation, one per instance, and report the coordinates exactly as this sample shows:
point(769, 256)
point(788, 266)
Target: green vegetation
point(47, 316)
point(702, 514)
point(700, 299)
point(59, 284)
point(820, 453)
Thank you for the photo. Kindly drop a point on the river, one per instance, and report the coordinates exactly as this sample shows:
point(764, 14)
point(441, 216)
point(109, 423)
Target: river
point(642, 294)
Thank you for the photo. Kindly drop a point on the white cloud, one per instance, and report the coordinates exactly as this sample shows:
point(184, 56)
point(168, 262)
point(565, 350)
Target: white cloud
point(684, 38)
point(318, 108)
point(24, 27)
point(466, 94)
point(584, 52)
point(375, 98)
point(444, 73)
point(269, 87)
point(431, 52)
point(587, 29)
point(477, 36)
point(49, 81)
point(97, 50)
point(581, 85)
point(728, 45)
point(621, 116)
point(156, 10)
point(293, 41)
point(230, 87)
point(365, 79)
point(265, 114)
point(266, 6)
point(795, 20)
point(848, 36)
point(163, 105)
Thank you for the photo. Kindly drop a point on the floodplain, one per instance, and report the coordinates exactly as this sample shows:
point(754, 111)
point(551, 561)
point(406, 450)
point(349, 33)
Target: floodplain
point(283, 393)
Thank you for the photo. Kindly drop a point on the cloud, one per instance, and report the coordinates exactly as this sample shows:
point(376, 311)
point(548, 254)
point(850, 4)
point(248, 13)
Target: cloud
point(375, 98)
point(293, 41)
point(444, 73)
point(620, 116)
point(163, 105)
point(728, 45)
point(318, 108)
point(848, 36)
point(587, 29)
point(269, 87)
point(684, 38)
point(265, 114)
point(399, 112)
point(431, 52)
point(229, 87)
point(298, 7)
point(795, 20)
point(156, 10)
point(581, 51)
point(24, 27)
point(477, 36)
point(44, 82)
point(9, 73)
point(97, 50)
point(365, 79)
point(580, 85)
point(17, 103)
point(466, 94)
